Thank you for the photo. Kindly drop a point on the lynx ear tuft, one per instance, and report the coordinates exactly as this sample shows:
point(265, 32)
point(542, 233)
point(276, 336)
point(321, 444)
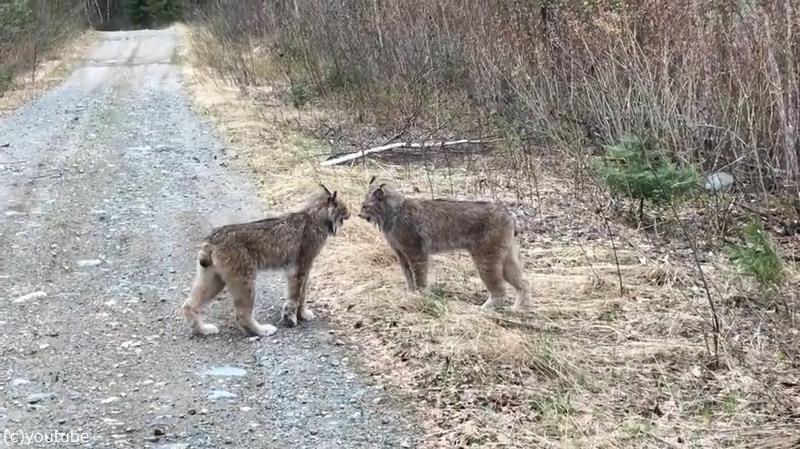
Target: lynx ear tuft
point(326, 189)
point(379, 193)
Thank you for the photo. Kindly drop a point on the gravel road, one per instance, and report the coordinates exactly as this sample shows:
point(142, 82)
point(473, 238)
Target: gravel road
point(106, 184)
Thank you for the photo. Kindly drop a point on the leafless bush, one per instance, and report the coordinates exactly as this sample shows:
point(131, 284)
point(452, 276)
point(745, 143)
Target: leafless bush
point(717, 83)
point(29, 29)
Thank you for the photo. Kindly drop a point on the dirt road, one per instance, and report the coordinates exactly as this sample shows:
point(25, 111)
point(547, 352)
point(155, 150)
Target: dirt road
point(106, 184)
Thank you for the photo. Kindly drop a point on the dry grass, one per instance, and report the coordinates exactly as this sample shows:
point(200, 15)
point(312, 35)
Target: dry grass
point(587, 367)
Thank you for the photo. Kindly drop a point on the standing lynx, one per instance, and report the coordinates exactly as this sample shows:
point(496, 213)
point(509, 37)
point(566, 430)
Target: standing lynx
point(232, 255)
point(417, 228)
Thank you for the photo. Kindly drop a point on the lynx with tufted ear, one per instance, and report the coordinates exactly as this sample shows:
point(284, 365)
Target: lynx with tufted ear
point(418, 228)
point(232, 255)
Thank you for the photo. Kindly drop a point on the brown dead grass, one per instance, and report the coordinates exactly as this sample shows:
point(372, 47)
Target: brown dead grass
point(587, 367)
point(54, 67)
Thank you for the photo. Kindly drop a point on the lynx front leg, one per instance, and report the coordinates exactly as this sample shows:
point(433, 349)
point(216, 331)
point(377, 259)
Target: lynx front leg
point(244, 295)
point(303, 312)
point(291, 308)
point(419, 268)
point(406, 267)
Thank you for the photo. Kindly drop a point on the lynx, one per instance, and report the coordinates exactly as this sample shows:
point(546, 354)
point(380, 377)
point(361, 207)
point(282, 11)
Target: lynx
point(417, 228)
point(232, 255)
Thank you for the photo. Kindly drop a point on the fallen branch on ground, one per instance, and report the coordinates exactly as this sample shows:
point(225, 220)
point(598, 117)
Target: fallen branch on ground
point(392, 146)
point(789, 228)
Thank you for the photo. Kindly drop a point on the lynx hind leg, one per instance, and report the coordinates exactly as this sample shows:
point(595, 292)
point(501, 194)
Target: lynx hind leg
point(207, 284)
point(490, 269)
point(512, 272)
point(242, 289)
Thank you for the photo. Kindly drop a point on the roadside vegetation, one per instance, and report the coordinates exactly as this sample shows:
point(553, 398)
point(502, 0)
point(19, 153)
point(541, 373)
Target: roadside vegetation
point(30, 33)
point(36, 35)
point(648, 151)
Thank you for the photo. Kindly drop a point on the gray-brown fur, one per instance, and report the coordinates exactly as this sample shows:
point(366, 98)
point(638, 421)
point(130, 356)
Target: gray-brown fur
point(418, 228)
point(232, 255)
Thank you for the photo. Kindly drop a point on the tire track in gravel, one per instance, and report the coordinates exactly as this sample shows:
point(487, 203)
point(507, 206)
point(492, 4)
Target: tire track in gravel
point(107, 184)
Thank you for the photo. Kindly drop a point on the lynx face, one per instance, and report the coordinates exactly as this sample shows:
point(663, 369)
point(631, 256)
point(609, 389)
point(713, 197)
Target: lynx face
point(337, 213)
point(376, 206)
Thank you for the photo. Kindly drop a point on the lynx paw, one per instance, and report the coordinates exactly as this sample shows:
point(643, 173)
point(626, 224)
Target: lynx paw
point(289, 314)
point(489, 305)
point(205, 329)
point(520, 307)
point(264, 330)
point(289, 319)
point(307, 315)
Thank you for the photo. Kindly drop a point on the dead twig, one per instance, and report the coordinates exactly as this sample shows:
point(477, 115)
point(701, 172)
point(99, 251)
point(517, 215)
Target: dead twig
point(607, 224)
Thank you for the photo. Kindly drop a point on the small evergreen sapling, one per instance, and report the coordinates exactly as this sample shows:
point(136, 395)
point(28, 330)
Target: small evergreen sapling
point(757, 257)
point(633, 168)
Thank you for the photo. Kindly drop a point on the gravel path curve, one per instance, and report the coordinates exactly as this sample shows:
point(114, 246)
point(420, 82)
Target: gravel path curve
point(106, 184)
